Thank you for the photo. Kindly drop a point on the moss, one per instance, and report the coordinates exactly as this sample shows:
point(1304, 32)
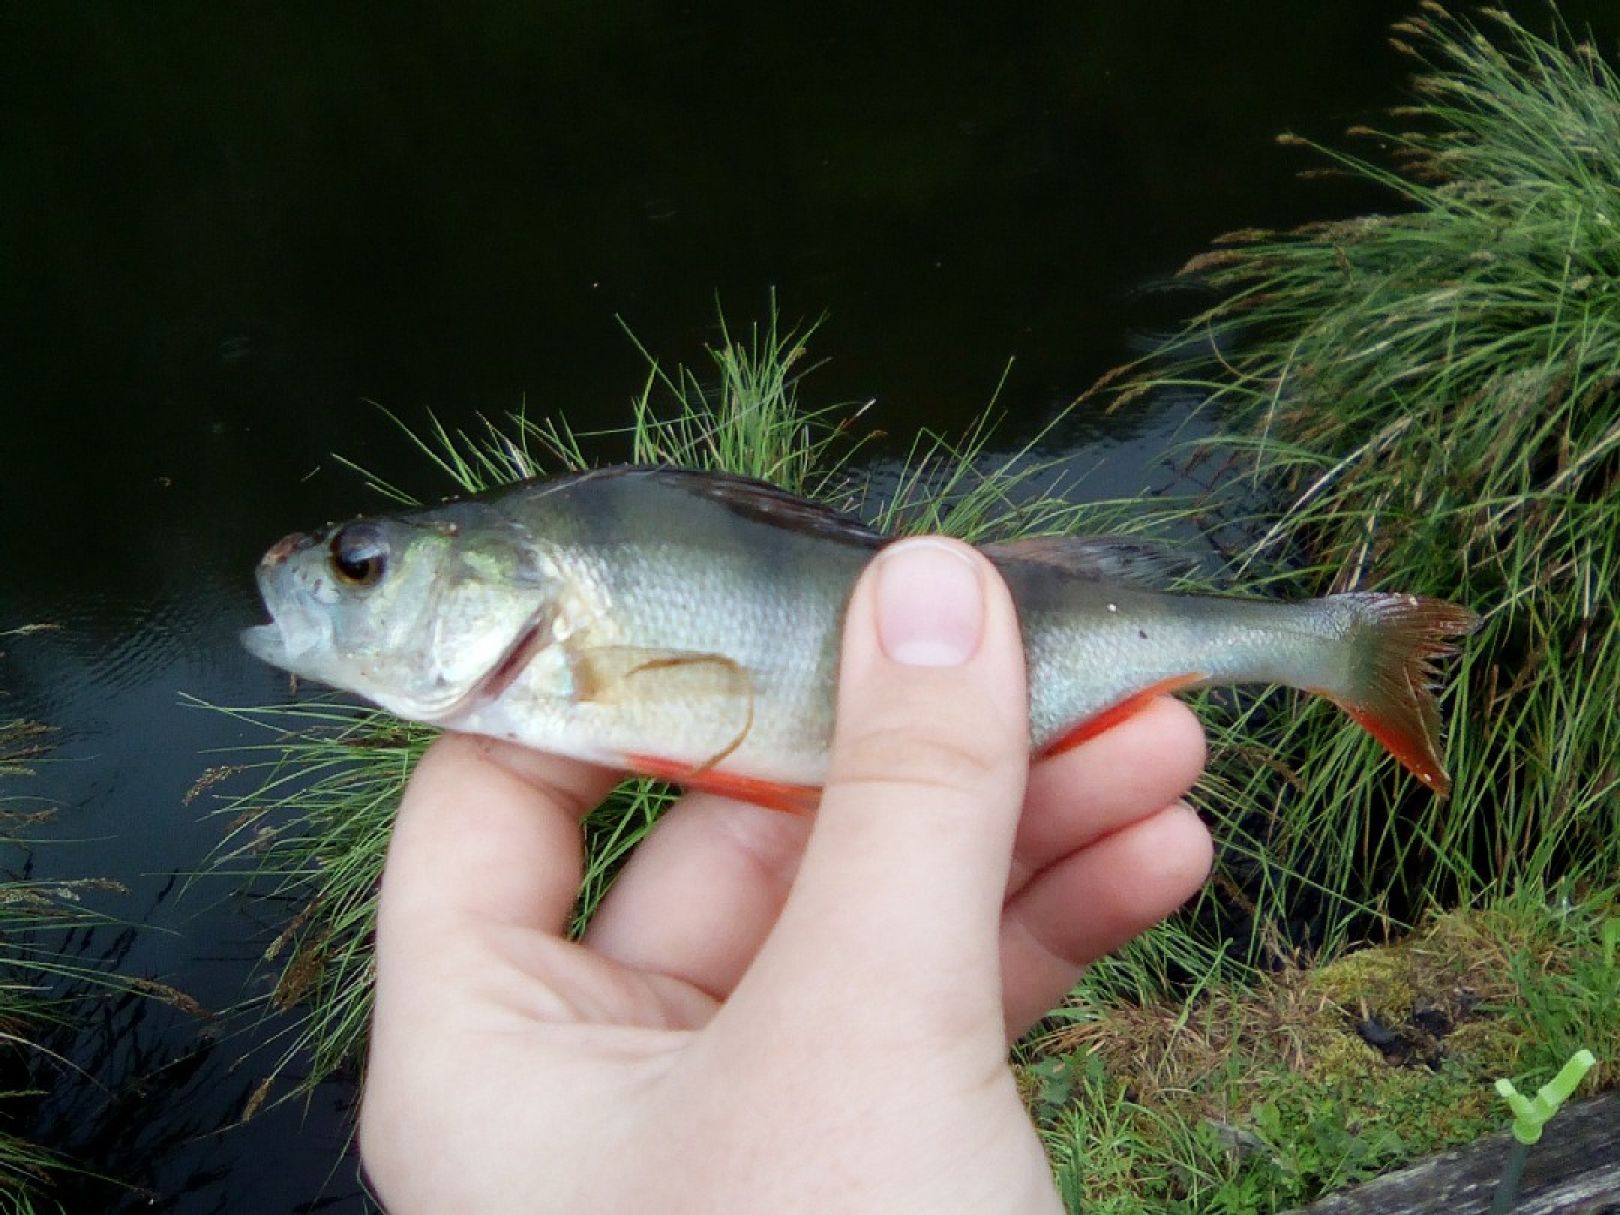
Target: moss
point(1344, 1061)
point(1274, 1089)
point(1375, 980)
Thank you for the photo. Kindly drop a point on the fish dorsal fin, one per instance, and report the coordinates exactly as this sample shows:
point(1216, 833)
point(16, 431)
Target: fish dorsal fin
point(1105, 558)
point(751, 499)
point(768, 504)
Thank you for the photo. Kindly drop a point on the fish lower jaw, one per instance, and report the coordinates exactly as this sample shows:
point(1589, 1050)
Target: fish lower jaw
point(302, 651)
point(265, 642)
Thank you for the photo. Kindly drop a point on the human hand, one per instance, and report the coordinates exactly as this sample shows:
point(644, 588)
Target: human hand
point(771, 1013)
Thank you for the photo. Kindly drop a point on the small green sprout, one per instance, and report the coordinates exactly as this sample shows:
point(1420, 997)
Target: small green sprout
point(1530, 1114)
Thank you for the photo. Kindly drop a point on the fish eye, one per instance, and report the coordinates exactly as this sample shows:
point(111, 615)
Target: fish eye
point(359, 554)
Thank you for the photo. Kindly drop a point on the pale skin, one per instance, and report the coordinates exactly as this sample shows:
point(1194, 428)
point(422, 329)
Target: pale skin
point(770, 1012)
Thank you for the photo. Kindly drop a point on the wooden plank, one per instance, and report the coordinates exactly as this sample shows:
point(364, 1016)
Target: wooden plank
point(1574, 1170)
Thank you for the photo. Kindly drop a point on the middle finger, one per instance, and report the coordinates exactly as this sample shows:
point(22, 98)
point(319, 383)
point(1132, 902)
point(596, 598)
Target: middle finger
point(1125, 774)
point(702, 891)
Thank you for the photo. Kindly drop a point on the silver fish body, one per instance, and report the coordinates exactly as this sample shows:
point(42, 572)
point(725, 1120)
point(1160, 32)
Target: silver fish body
point(687, 625)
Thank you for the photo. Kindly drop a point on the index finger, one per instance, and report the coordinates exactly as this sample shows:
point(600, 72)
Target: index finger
point(487, 835)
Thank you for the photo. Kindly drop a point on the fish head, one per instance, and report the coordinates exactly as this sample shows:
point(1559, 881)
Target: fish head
point(417, 616)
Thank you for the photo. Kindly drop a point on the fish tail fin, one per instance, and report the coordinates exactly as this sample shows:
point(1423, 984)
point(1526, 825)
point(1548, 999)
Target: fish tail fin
point(1394, 641)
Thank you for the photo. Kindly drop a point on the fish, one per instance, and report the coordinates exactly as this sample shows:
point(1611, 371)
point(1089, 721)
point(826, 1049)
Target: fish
point(686, 625)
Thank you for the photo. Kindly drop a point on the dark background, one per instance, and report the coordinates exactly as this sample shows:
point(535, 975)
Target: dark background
point(224, 228)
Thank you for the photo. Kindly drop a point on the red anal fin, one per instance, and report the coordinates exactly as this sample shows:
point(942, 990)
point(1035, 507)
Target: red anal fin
point(1411, 746)
point(772, 795)
point(1116, 713)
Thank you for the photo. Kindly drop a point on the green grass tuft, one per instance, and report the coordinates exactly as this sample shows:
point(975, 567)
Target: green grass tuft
point(1429, 401)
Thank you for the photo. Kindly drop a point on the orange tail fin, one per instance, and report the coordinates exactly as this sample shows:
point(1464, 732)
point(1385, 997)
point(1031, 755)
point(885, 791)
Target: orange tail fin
point(1389, 691)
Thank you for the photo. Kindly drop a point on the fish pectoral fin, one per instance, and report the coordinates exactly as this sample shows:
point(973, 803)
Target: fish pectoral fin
point(707, 682)
point(609, 674)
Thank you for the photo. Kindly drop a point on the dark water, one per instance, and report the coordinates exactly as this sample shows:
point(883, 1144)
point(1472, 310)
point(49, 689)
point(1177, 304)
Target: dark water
point(223, 229)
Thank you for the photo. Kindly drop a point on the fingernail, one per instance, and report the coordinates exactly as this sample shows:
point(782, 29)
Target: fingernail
point(930, 604)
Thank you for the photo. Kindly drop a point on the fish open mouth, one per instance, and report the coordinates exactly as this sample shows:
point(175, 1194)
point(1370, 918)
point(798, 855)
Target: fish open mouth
point(298, 648)
point(295, 638)
point(269, 641)
point(298, 631)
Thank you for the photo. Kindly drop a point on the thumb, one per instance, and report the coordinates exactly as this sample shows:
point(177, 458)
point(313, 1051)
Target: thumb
point(906, 869)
